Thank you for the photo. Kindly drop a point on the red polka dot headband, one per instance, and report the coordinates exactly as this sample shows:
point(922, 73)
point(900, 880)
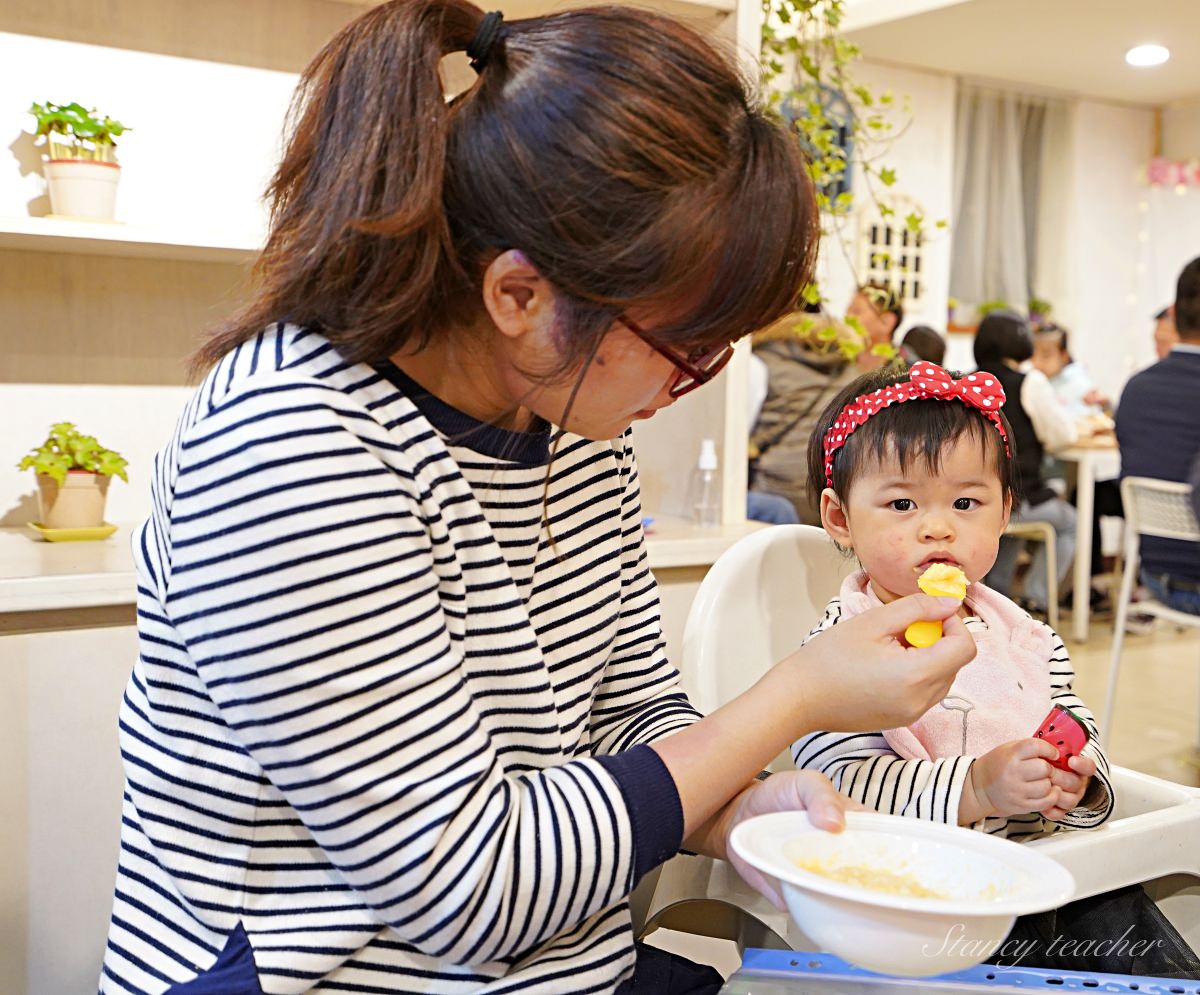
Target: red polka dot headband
point(977, 390)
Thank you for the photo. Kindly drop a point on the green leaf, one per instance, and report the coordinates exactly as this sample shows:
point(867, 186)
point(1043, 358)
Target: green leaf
point(887, 177)
point(67, 449)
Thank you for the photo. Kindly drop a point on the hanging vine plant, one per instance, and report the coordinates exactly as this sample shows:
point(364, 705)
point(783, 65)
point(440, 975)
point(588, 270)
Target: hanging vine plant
point(843, 126)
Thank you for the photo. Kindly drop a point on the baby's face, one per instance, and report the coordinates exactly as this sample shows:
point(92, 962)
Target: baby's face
point(899, 521)
point(1048, 356)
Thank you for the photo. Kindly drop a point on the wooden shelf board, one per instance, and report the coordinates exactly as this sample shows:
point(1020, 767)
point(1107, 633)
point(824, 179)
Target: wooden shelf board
point(100, 238)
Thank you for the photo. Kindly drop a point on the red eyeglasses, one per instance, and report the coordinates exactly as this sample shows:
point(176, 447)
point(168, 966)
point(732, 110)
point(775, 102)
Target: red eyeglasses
point(700, 366)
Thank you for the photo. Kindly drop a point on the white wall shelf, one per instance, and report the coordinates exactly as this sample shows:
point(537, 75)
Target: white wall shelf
point(51, 576)
point(133, 241)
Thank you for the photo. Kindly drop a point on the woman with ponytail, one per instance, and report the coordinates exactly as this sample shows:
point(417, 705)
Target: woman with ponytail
point(402, 718)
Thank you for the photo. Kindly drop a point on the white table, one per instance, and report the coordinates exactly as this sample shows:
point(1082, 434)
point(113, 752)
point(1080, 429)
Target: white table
point(1098, 461)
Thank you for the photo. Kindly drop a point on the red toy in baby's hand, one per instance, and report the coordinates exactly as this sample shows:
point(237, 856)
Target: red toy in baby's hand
point(1065, 731)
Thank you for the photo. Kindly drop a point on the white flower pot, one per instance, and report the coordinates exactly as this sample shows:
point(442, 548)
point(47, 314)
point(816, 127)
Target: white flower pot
point(82, 189)
point(77, 504)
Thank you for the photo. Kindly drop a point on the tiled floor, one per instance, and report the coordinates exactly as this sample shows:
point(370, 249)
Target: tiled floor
point(1157, 720)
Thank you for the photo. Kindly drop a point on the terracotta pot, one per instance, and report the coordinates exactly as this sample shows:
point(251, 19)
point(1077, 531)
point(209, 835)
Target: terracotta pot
point(81, 189)
point(77, 504)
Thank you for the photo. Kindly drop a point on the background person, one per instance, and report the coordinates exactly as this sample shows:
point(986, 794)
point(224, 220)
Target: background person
point(922, 342)
point(1158, 430)
point(1165, 334)
point(879, 311)
point(797, 374)
point(1003, 347)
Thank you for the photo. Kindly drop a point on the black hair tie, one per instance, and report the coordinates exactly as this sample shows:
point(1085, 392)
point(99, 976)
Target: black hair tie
point(486, 36)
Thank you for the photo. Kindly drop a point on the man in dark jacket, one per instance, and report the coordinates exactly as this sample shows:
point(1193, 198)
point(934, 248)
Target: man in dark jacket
point(1158, 430)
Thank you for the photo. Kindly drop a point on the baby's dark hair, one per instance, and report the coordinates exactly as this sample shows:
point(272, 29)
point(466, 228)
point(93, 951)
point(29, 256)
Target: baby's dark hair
point(912, 430)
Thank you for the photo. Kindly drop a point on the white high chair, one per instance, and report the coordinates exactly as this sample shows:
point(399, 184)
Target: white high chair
point(754, 607)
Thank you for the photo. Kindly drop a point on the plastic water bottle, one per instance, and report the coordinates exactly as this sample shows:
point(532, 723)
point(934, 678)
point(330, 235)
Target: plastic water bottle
point(707, 509)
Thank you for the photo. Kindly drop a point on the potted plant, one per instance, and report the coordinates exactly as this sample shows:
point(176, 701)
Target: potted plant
point(81, 162)
point(1039, 311)
point(73, 473)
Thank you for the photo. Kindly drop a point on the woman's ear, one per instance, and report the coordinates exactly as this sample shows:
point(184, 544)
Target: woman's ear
point(834, 520)
point(517, 298)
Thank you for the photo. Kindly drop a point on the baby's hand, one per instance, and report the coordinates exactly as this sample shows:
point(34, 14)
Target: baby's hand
point(1069, 788)
point(1015, 778)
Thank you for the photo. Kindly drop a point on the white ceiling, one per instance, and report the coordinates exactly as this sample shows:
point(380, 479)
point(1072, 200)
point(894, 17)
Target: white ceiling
point(1067, 46)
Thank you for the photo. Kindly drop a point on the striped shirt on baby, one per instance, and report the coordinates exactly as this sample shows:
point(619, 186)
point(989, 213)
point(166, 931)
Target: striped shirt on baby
point(864, 767)
point(384, 723)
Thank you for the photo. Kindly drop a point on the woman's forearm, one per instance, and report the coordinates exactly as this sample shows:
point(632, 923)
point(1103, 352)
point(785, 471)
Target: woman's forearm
point(716, 758)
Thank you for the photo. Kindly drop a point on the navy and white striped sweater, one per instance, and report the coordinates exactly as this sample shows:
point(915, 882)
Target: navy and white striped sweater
point(379, 717)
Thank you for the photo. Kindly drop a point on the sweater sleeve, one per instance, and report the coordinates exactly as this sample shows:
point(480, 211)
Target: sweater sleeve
point(302, 579)
point(639, 699)
point(1051, 420)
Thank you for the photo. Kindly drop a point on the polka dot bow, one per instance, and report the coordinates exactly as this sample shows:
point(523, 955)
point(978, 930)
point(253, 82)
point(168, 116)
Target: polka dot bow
point(977, 390)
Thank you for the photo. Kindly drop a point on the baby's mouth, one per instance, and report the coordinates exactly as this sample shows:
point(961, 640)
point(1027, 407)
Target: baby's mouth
point(929, 561)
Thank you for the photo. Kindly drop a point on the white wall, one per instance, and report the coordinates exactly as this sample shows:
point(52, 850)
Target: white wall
point(922, 156)
point(204, 142)
point(1106, 307)
point(1181, 130)
point(204, 136)
point(1124, 243)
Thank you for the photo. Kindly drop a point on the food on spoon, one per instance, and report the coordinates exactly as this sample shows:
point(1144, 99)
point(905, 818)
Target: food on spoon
point(940, 580)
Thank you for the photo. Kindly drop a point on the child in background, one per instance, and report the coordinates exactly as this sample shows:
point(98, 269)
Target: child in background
point(922, 342)
point(915, 468)
point(1071, 382)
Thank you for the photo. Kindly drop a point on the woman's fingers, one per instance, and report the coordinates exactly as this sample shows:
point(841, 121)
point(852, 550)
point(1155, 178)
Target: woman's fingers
point(896, 616)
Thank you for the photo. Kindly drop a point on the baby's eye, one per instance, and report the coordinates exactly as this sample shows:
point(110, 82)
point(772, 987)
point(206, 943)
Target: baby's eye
point(965, 504)
point(902, 504)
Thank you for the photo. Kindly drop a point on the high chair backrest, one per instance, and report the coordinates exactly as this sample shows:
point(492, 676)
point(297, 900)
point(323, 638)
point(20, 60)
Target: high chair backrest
point(755, 606)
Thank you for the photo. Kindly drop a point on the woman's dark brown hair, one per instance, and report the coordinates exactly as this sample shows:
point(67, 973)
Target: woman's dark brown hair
point(616, 148)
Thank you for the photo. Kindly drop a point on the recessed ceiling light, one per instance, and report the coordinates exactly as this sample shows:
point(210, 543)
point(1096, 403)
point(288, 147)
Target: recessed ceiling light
point(1147, 55)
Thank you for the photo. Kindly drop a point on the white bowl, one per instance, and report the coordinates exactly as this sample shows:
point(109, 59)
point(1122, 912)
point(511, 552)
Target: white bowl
point(987, 882)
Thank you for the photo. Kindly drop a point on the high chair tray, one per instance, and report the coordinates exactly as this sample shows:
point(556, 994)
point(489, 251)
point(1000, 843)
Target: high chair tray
point(785, 972)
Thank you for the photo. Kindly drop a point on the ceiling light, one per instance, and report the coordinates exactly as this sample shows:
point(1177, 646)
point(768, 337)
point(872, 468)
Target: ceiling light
point(1147, 55)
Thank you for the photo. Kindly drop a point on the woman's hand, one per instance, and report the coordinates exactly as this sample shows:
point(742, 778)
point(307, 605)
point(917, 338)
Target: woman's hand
point(858, 676)
point(788, 791)
point(855, 676)
point(1012, 779)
